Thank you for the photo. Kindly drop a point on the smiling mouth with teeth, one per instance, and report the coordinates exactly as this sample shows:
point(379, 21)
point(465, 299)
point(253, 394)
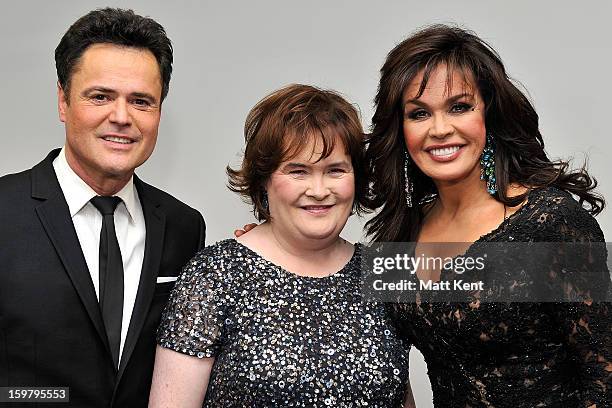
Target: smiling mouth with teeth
point(447, 151)
point(117, 139)
point(317, 209)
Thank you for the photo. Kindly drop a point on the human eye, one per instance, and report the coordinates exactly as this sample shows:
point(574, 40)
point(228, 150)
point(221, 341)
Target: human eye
point(141, 103)
point(99, 97)
point(460, 107)
point(337, 171)
point(296, 171)
point(417, 114)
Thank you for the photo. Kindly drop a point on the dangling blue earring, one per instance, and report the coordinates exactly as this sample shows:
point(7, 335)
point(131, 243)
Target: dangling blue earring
point(487, 165)
point(408, 185)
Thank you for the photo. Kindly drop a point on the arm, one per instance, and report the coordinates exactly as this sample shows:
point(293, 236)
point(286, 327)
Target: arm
point(202, 231)
point(587, 336)
point(396, 313)
point(585, 321)
point(179, 380)
point(408, 397)
point(190, 333)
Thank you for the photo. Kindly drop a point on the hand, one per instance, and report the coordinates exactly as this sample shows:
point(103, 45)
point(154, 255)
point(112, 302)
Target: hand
point(247, 228)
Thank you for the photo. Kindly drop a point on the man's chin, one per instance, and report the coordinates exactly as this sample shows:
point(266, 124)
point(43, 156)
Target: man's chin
point(121, 166)
point(119, 172)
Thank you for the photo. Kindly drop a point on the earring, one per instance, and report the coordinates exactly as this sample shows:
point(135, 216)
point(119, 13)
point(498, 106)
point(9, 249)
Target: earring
point(264, 201)
point(408, 185)
point(487, 165)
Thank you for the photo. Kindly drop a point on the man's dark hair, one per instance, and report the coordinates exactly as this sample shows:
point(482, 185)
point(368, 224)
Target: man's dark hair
point(113, 26)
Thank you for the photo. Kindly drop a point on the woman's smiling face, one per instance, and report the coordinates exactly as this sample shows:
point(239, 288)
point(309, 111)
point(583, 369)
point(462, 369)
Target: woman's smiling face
point(444, 127)
point(311, 197)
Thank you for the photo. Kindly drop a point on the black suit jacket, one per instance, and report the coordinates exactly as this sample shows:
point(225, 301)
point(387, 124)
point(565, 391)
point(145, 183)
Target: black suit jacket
point(51, 328)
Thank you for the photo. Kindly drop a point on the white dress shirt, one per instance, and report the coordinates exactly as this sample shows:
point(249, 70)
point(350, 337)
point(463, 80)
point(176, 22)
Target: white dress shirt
point(87, 220)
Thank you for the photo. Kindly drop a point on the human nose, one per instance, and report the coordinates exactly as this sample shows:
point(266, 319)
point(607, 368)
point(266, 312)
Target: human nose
point(120, 113)
point(440, 126)
point(317, 188)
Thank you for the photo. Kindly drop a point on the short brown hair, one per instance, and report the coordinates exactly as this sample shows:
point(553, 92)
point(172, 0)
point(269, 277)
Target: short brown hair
point(282, 124)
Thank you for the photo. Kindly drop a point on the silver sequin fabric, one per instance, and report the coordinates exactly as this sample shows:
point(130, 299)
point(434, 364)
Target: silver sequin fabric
point(283, 340)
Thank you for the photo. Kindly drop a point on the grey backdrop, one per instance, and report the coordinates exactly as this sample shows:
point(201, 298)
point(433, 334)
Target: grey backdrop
point(230, 54)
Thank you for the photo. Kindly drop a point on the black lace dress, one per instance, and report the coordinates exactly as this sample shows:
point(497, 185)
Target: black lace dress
point(283, 340)
point(520, 354)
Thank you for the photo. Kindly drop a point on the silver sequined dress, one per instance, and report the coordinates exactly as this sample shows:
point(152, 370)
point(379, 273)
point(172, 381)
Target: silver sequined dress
point(283, 340)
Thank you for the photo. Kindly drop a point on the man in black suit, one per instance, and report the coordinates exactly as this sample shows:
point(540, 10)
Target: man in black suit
point(88, 251)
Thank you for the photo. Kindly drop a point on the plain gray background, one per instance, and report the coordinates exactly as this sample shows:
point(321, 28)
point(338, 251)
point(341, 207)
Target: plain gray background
point(229, 54)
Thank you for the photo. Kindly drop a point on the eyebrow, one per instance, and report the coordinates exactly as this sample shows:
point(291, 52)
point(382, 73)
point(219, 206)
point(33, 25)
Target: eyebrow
point(97, 88)
point(143, 95)
point(302, 165)
point(450, 100)
point(339, 163)
point(294, 165)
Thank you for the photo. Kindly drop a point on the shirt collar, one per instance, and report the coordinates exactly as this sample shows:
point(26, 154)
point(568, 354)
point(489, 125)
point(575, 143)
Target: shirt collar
point(78, 193)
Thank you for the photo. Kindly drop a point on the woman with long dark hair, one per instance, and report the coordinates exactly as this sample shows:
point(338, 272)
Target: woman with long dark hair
point(456, 156)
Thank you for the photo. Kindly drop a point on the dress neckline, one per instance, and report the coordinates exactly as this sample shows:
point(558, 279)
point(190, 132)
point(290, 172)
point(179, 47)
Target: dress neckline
point(501, 227)
point(338, 274)
point(507, 221)
point(530, 201)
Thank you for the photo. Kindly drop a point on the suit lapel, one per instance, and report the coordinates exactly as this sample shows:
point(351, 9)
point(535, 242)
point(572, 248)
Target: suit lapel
point(54, 215)
point(155, 221)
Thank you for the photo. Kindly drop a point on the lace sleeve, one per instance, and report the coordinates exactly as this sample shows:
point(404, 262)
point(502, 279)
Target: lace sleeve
point(399, 315)
point(579, 264)
point(193, 320)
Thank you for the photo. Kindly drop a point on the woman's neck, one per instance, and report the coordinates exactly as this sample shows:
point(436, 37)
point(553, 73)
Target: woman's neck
point(303, 247)
point(466, 195)
point(310, 257)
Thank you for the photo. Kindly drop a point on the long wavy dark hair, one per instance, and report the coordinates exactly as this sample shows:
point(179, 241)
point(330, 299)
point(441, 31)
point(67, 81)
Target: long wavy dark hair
point(509, 117)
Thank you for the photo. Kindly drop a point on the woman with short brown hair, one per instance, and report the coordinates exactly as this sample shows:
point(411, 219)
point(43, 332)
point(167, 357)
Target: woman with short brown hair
point(276, 318)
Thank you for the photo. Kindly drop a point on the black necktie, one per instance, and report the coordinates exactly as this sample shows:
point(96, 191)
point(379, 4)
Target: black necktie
point(111, 274)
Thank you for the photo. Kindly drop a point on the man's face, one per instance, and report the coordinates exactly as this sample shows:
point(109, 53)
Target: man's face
point(112, 112)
